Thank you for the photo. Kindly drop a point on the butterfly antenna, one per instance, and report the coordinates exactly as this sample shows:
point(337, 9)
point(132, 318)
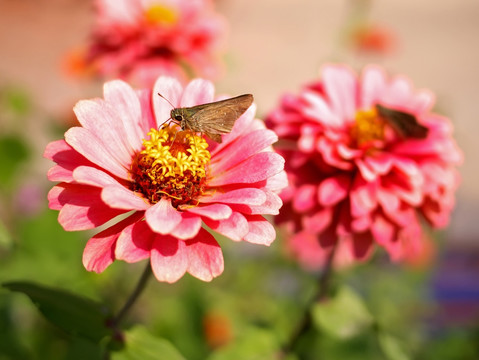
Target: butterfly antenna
point(168, 101)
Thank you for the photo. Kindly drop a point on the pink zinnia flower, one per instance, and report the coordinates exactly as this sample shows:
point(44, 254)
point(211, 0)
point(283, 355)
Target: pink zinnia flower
point(139, 40)
point(159, 185)
point(353, 178)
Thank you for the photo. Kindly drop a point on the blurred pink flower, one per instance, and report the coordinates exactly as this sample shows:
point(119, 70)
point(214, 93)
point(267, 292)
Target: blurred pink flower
point(353, 178)
point(159, 185)
point(139, 40)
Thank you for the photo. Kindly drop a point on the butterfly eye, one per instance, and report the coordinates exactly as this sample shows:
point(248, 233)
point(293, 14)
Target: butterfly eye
point(178, 117)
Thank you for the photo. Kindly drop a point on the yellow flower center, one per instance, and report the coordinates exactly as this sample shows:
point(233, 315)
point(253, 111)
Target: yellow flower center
point(368, 127)
point(171, 165)
point(161, 15)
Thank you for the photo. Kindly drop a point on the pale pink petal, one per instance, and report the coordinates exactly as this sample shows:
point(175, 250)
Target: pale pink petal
point(169, 258)
point(256, 168)
point(318, 110)
point(92, 176)
point(92, 148)
point(248, 196)
point(197, 92)
point(170, 89)
point(127, 104)
point(372, 86)
point(119, 197)
point(340, 86)
point(270, 207)
point(100, 250)
point(162, 217)
point(260, 230)
point(101, 120)
point(205, 259)
point(189, 226)
point(213, 211)
point(135, 242)
point(235, 227)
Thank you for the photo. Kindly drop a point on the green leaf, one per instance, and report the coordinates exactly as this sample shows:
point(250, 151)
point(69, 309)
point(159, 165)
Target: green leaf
point(343, 316)
point(5, 237)
point(141, 345)
point(392, 347)
point(75, 314)
point(253, 344)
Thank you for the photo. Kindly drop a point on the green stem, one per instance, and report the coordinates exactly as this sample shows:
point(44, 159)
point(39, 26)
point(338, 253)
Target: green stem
point(321, 294)
point(134, 296)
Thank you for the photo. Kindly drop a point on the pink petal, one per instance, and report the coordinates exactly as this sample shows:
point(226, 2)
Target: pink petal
point(99, 251)
point(260, 230)
point(248, 196)
point(235, 227)
point(81, 207)
point(101, 120)
point(127, 104)
point(245, 147)
point(188, 228)
point(169, 258)
point(305, 198)
point(93, 149)
point(148, 120)
point(380, 164)
point(333, 189)
point(366, 171)
point(362, 198)
point(197, 92)
point(119, 197)
point(205, 259)
point(163, 217)
point(67, 158)
point(383, 231)
point(214, 211)
point(171, 90)
point(318, 221)
point(135, 242)
point(256, 168)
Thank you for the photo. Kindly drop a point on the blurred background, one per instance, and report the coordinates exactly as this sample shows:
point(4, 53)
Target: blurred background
point(273, 46)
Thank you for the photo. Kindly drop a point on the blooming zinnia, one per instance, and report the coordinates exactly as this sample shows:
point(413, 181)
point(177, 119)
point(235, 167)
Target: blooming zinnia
point(139, 40)
point(157, 186)
point(354, 179)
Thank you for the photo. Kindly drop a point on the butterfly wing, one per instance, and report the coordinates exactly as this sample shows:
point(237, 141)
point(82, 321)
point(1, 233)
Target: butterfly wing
point(404, 124)
point(219, 117)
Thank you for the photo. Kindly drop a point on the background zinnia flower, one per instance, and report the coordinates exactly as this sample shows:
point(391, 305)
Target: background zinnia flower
point(353, 178)
point(139, 40)
point(162, 185)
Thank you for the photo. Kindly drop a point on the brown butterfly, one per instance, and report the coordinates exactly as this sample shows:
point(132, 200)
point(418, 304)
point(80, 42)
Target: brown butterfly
point(405, 124)
point(212, 119)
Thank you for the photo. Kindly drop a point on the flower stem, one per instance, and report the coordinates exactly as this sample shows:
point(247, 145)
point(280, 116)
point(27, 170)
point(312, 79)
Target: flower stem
point(134, 295)
point(321, 294)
